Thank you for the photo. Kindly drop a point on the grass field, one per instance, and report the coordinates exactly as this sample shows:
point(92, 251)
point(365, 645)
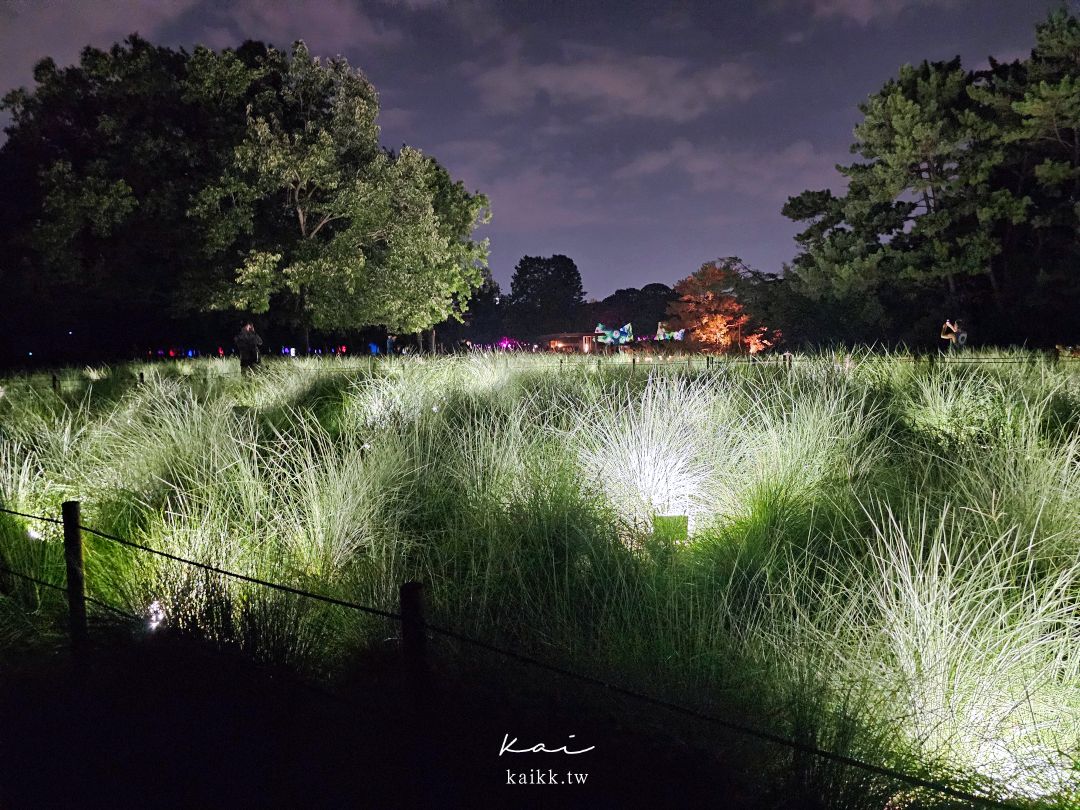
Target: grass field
point(883, 556)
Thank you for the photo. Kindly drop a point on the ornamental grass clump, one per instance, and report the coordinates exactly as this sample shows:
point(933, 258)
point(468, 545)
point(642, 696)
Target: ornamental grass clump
point(882, 556)
point(977, 649)
point(647, 454)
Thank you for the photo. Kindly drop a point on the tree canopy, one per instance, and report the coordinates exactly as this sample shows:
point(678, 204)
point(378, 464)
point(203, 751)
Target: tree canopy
point(545, 296)
point(337, 230)
point(106, 156)
point(964, 202)
point(158, 183)
point(709, 309)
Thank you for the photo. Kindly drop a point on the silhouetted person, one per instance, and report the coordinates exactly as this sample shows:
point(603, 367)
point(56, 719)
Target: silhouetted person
point(247, 346)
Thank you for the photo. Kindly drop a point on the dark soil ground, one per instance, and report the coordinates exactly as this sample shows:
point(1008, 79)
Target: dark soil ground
point(167, 722)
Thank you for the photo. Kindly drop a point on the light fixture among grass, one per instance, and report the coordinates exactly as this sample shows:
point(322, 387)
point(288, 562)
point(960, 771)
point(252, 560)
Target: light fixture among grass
point(671, 529)
point(650, 452)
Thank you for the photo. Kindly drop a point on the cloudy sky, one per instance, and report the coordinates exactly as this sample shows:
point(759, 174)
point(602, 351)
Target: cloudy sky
point(638, 138)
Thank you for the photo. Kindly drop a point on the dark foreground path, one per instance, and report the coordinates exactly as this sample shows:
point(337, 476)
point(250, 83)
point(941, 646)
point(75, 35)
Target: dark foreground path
point(169, 723)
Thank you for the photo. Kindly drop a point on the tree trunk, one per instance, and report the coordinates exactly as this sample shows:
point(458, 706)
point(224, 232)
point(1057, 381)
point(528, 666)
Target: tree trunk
point(995, 290)
point(1076, 165)
point(304, 320)
point(433, 340)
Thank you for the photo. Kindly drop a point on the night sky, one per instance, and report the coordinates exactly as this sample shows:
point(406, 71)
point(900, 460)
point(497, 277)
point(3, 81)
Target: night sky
point(638, 138)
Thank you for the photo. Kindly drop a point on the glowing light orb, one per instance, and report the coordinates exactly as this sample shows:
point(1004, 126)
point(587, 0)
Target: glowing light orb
point(155, 615)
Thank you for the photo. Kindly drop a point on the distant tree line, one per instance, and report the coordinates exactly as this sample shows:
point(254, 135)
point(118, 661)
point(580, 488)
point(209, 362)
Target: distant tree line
point(546, 297)
point(964, 202)
point(150, 192)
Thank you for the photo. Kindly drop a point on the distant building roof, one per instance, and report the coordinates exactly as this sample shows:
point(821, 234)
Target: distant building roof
point(566, 336)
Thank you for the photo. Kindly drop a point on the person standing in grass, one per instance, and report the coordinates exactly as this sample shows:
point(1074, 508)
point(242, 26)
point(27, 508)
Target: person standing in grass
point(247, 346)
point(955, 333)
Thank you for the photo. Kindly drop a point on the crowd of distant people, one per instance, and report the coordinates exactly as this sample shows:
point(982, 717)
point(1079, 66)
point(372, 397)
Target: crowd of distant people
point(248, 345)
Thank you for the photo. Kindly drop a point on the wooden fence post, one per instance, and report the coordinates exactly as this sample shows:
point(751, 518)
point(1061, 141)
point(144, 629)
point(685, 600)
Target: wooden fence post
point(413, 635)
point(418, 710)
point(76, 581)
point(55, 384)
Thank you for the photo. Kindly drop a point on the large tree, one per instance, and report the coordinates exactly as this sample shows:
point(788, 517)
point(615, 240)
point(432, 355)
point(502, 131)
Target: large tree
point(155, 184)
point(106, 155)
point(709, 309)
point(965, 202)
point(545, 296)
point(897, 234)
point(483, 323)
point(332, 228)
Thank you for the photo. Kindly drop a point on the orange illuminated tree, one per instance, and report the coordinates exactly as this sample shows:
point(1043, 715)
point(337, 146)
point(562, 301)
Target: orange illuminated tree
point(714, 318)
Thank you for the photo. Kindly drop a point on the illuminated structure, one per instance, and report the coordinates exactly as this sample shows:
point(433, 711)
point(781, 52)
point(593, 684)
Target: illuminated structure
point(614, 337)
point(569, 342)
point(664, 334)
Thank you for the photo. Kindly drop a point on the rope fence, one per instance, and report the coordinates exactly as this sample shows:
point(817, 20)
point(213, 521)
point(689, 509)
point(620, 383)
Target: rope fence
point(330, 600)
point(414, 629)
point(571, 361)
point(53, 586)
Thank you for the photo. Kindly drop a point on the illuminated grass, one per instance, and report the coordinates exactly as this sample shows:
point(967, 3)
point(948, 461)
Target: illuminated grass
point(882, 555)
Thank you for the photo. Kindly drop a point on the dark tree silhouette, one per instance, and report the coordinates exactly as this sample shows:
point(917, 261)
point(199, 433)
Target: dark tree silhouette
point(545, 296)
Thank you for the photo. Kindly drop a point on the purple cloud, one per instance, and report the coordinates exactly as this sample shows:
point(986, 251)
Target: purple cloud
point(862, 11)
point(30, 32)
point(611, 84)
point(329, 27)
point(770, 175)
point(523, 197)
